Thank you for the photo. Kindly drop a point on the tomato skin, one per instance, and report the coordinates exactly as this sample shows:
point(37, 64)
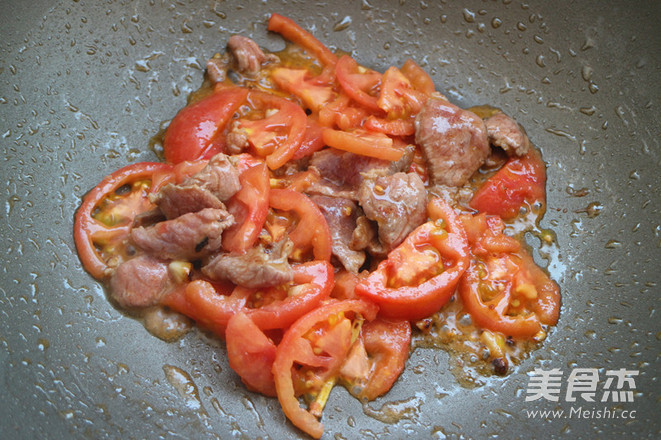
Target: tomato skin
point(525, 298)
point(210, 305)
point(520, 180)
point(294, 348)
point(412, 302)
point(291, 31)
point(250, 354)
point(356, 84)
point(288, 113)
point(213, 305)
point(494, 315)
point(87, 228)
point(249, 205)
point(295, 81)
point(191, 132)
point(312, 141)
point(317, 279)
point(361, 142)
point(312, 229)
point(387, 343)
point(420, 79)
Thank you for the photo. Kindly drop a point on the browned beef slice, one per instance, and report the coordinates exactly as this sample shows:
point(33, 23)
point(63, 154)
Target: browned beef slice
point(187, 237)
point(175, 200)
point(341, 214)
point(453, 140)
point(220, 177)
point(257, 268)
point(398, 204)
point(217, 68)
point(140, 282)
point(342, 172)
point(216, 182)
point(249, 57)
point(504, 132)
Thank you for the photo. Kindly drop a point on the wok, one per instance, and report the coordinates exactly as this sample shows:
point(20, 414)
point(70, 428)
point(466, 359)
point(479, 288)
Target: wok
point(84, 85)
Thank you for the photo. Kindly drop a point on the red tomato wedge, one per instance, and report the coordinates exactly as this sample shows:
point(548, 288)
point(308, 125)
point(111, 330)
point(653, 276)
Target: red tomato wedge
point(291, 31)
point(104, 218)
point(359, 83)
point(378, 358)
point(318, 342)
point(250, 354)
point(503, 289)
point(420, 275)
point(364, 143)
point(249, 205)
point(190, 134)
point(312, 229)
point(521, 180)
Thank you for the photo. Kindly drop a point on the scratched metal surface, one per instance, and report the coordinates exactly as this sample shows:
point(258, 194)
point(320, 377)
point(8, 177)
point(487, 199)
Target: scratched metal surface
point(85, 84)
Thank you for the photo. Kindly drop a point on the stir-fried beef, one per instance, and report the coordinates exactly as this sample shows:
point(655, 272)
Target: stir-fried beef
point(217, 67)
point(453, 140)
point(249, 57)
point(504, 132)
point(398, 204)
point(140, 282)
point(175, 200)
point(187, 237)
point(341, 214)
point(365, 237)
point(343, 172)
point(220, 177)
point(257, 268)
point(216, 182)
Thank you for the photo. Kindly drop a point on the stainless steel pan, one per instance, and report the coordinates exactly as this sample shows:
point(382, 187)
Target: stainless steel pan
point(85, 84)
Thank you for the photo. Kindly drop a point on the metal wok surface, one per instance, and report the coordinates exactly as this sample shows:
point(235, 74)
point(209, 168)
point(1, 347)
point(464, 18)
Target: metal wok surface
point(85, 84)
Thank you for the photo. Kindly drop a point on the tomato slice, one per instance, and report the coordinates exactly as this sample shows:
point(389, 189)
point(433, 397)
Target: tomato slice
point(210, 305)
point(359, 83)
point(250, 354)
point(105, 217)
point(393, 127)
point(310, 355)
point(312, 283)
point(312, 230)
point(397, 97)
point(376, 360)
point(503, 289)
point(363, 142)
point(191, 132)
point(341, 113)
point(296, 82)
point(249, 205)
point(291, 31)
point(420, 79)
point(312, 141)
point(521, 180)
point(277, 137)
point(420, 275)
point(213, 305)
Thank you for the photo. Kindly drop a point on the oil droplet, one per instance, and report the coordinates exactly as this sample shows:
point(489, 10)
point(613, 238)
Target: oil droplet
point(342, 24)
point(521, 26)
point(469, 16)
point(496, 22)
point(634, 175)
point(615, 320)
point(593, 88)
point(613, 244)
point(540, 61)
point(588, 110)
point(586, 73)
point(184, 385)
point(43, 344)
point(186, 29)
